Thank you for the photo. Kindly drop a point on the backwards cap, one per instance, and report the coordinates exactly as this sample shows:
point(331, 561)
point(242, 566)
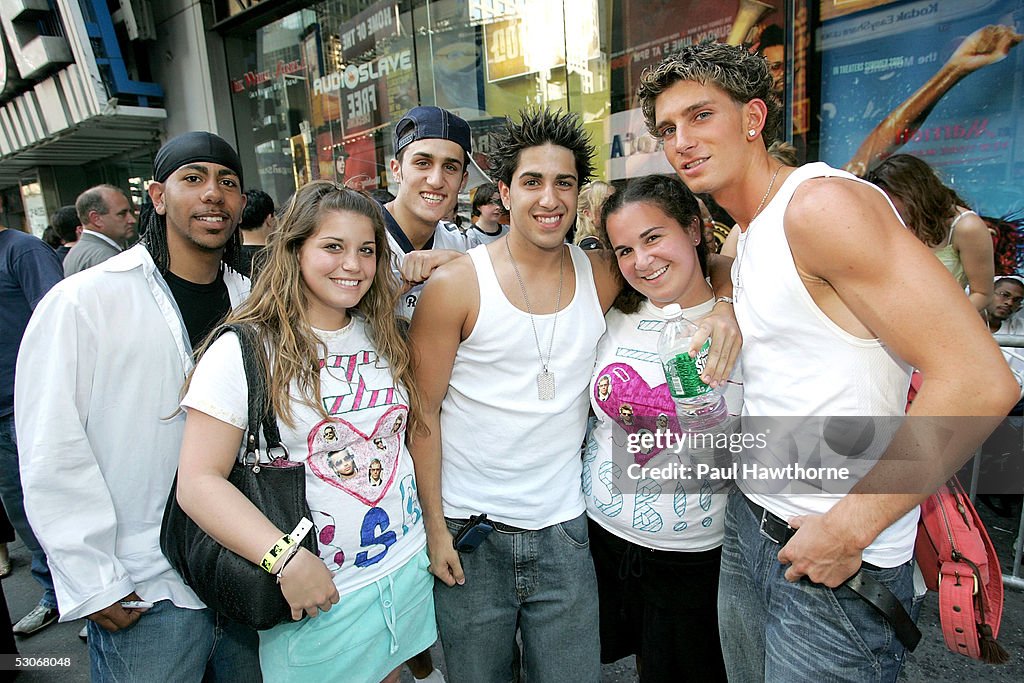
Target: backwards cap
point(423, 123)
point(191, 147)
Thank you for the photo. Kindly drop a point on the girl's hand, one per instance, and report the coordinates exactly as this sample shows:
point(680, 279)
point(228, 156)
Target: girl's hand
point(307, 585)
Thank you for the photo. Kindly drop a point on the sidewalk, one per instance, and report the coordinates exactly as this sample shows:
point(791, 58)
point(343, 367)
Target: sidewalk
point(931, 661)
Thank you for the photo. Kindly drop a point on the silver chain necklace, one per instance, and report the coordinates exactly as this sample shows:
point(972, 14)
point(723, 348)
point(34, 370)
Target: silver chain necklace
point(545, 378)
point(757, 212)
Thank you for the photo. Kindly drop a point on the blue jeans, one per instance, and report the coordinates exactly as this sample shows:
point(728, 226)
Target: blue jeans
point(173, 644)
point(774, 630)
point(541, 582)
point(14, 504)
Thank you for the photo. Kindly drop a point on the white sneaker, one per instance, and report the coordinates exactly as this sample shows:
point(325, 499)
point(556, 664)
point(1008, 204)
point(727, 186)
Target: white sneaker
point(434, 677)
point(36, 620)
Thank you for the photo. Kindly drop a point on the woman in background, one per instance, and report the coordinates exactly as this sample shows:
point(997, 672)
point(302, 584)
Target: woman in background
point(588, 208)
point(490, 217)
point(941, 219)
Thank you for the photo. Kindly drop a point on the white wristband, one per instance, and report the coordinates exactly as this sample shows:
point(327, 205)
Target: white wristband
point(300, 530)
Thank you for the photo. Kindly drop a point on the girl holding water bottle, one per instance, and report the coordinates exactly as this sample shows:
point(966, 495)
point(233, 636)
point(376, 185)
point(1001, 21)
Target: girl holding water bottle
point(656, 527)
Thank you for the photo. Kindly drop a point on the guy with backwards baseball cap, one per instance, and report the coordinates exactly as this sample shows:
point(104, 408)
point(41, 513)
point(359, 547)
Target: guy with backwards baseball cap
point(432, 153)
point(422, 123)
point(124, 331)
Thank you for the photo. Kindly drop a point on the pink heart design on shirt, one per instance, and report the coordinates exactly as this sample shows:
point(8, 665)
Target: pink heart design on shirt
point(360, 465)
point(634, 405)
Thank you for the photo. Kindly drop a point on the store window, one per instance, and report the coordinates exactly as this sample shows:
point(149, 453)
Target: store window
point(316, 93)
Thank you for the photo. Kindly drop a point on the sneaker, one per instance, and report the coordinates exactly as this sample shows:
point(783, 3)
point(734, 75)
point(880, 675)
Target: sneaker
point(434, 677)
point(36, 620)
point(84, 633)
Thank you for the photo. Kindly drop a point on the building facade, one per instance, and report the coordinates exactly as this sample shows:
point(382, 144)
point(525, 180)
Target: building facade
point(312, 89)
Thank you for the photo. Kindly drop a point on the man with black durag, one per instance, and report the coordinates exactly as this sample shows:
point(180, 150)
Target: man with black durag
point(101, 428)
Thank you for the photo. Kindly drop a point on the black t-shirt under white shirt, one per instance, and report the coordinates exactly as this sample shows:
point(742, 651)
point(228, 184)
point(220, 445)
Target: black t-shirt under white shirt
point(202, 307)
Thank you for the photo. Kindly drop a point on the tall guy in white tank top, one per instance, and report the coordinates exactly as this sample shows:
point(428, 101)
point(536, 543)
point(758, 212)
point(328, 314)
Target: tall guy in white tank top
point(835, 298)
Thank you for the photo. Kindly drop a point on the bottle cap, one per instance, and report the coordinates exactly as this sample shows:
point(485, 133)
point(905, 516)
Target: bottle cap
point(672, 310)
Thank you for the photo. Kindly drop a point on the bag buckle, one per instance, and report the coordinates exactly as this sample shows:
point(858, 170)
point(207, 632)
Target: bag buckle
point(284, 449)
point(977, 587)
point(255, 464)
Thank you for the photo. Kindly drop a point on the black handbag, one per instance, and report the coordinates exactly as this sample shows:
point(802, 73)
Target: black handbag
point(228, 583)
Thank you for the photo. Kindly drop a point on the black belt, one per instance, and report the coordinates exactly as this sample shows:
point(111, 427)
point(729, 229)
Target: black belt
point(868, 588)
point(498, 526)
point(772, 527)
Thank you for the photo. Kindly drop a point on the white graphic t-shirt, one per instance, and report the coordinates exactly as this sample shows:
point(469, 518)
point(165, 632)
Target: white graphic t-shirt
point(630, 399)
point(359, 475)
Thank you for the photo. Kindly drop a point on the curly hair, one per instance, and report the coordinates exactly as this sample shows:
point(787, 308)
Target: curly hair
point(928, 204)
point(671, 197)
point(278, 306)
point(744, 76)
point(541, 127)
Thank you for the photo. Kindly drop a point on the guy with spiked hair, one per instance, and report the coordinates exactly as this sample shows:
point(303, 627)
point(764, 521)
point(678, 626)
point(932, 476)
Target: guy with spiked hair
point(831, 328)
point(505, 337)
point(100, 432)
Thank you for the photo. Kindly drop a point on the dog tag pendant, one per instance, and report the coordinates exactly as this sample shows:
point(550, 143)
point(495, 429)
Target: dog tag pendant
point(545, 385)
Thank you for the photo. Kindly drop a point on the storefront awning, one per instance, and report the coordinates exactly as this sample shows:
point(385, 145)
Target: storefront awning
point(115, 131)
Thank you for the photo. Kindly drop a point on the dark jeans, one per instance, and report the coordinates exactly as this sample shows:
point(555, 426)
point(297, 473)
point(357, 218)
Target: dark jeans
point(539, 582)
point(170, 643)
point(11, 494)
point(800, 632)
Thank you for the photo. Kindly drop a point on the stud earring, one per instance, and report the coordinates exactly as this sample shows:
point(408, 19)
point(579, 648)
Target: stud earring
point(752, 132)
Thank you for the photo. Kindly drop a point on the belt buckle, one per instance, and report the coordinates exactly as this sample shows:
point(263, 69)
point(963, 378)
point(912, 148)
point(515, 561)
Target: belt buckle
point(764, 519)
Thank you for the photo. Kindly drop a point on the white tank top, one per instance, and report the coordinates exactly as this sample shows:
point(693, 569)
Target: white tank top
point(504, 451)
point(798, 363)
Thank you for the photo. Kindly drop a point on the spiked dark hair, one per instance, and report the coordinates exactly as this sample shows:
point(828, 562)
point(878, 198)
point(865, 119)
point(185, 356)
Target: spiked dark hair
point(153, 228)
point(538, 127)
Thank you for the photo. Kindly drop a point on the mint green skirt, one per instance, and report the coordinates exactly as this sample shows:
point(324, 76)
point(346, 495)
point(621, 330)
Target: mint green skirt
point(361, 639)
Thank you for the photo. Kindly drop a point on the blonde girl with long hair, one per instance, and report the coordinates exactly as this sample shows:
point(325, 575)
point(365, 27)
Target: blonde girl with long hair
point(340, 383)
point(588, 209)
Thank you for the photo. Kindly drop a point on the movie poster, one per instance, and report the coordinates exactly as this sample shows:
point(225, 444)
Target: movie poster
point(644, 31)
point(932, 78)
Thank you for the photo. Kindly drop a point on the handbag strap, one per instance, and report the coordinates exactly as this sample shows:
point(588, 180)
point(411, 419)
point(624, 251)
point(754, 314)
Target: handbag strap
point(958, 585)
point(260, 409)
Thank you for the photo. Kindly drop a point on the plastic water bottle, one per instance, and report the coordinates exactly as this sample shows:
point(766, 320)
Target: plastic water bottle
point(698, 406)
